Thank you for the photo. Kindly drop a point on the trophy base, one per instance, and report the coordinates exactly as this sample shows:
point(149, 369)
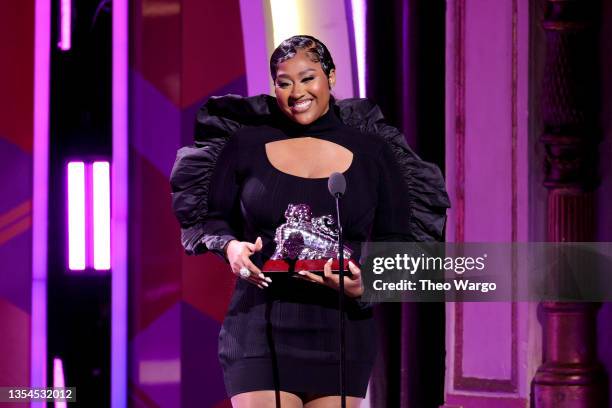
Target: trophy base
point(310, 265)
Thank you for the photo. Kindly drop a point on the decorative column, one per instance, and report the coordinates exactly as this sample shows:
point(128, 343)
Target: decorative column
point(570, 375)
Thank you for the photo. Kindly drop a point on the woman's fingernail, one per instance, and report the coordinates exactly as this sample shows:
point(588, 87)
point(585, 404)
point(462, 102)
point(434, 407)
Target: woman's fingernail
point(330, 260)
point(302, 273)
point(268, 279)
point(265, 284)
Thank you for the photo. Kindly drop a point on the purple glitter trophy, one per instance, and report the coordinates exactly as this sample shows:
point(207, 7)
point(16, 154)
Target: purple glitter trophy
point(305, 242)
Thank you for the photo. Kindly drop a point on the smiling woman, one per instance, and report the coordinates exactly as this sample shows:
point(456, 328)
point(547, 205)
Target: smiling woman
point(303, 77)
point(278, 345)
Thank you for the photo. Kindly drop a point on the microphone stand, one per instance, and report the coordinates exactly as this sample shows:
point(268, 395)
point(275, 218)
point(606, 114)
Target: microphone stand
point(341, 306)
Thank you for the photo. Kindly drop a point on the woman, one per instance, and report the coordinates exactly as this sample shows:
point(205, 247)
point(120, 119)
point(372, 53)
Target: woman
point(279, 340)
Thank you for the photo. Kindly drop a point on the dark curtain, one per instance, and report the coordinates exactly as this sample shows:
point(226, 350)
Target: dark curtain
point(405, 60)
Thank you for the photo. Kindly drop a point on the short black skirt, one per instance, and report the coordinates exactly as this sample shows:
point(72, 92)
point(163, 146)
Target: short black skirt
point(287, 338)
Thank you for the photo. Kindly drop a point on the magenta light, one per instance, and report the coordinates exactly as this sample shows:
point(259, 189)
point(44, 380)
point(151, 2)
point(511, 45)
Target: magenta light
point(119, 228)
point(38, 321)
point(76, 216)
point(58, 380)
point(359, 17)
point(101, 215)
point(65, 40)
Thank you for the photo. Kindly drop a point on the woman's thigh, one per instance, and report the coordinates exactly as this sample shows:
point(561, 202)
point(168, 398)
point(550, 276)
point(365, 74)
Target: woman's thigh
point(266, 399)
point(330, 401)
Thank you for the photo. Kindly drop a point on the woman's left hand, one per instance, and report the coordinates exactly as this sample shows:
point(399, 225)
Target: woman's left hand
point(352, 284)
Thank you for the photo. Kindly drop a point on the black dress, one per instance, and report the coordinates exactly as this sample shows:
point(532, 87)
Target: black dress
point(286, 336)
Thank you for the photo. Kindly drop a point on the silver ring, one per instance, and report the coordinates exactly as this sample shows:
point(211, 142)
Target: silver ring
point(244, 272)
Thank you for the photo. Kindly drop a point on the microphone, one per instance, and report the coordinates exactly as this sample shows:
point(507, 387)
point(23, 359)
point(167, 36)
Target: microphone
point(336, 184)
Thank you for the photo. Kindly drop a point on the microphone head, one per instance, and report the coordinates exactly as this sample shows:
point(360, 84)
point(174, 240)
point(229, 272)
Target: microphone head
point(336, 184)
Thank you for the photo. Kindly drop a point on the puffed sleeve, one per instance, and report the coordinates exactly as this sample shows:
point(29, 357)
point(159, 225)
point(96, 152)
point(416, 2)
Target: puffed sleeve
point(427, 196)
point(221, 223)
point(190, 181)
point(205, 195)
point(424, 183)
point(216, 123)
point(392, 221)
point(400, 213)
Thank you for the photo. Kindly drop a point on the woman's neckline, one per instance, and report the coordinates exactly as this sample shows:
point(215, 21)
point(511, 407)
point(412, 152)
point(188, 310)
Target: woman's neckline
point(279, 171)
point(293, 176)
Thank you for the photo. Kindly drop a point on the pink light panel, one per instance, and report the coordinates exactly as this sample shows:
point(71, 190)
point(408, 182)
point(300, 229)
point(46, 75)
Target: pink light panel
point(76, 216)
point(101, 215)
point(119, 305)
point(89, 216)
point(65, 40)
point(59, 380)
point(359, 17)
point(38, 343)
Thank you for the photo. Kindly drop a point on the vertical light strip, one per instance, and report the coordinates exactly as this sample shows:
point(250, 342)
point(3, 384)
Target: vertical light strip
point(285, 19)
point(119, 205)
point(58, 380)
point(359, 25)
point(101, 215)
point(38, 343)
point(65, 41)
point(76, 216)
point(89, 248)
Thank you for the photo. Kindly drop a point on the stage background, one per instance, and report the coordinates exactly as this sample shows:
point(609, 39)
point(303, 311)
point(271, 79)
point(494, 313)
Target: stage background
point(16, 176)
point(182, 52)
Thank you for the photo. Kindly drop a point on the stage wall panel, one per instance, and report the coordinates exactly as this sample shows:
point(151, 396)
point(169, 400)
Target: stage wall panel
point(16, 171)
point(182, 52)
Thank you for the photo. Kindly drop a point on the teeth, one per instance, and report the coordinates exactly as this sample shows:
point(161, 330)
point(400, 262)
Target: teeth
point(302, 105)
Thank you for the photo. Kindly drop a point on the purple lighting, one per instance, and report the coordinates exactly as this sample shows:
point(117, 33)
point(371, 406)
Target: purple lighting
point(359, 15)
point(64, 43)
point(38, 344)
point(119, 205)
point(58, 380)
point(89, 216)
point(101, 215)
point(76, 216)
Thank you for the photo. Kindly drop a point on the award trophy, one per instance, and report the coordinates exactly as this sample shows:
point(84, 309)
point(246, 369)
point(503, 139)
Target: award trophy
point(305, 242)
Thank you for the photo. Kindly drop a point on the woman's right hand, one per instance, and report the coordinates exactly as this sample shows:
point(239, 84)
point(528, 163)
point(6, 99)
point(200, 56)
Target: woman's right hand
point(238, 253)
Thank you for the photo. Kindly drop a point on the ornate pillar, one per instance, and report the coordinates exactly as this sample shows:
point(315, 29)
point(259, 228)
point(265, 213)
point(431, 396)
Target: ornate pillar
point(570, 375)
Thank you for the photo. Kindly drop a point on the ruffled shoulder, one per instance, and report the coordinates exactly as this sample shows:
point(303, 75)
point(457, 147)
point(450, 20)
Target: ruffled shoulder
point(216, 121)
point(220, 117)
point(424, 180)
